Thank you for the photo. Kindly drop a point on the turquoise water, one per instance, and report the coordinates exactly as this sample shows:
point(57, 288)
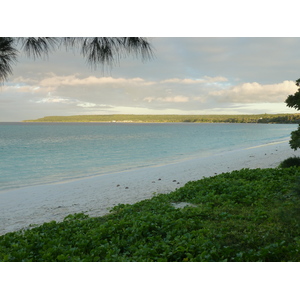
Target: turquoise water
point(39, 153)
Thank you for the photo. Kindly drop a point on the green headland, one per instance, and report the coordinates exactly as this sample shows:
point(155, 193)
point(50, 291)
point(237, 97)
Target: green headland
point(256, 118)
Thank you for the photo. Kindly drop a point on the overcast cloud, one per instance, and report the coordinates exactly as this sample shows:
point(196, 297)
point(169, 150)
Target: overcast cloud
point(187, 76)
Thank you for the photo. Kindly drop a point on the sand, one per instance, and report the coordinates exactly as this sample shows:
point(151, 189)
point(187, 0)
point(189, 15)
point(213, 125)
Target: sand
point(95, 196)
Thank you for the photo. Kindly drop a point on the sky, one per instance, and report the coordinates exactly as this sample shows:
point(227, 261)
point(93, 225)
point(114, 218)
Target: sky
point(187, 75)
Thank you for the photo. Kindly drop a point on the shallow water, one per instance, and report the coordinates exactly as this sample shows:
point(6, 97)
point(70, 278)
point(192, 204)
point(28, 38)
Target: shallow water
point(39, 153)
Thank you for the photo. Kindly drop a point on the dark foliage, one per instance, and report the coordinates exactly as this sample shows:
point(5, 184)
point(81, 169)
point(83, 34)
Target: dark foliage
point(290, 162)
point(294, 101)
point(8, 56)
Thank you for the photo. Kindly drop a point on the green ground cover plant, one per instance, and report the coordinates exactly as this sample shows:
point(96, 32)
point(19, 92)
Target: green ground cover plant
point(241, 216)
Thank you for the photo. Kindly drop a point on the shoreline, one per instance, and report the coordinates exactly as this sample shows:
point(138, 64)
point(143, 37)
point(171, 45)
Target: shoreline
point(96, 195)
point(134, 168)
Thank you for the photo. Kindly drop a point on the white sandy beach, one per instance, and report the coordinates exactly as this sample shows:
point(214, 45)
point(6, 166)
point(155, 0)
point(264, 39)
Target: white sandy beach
point(95, 196)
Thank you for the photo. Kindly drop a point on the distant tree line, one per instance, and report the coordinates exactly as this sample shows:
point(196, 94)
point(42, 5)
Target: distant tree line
point(259, 118)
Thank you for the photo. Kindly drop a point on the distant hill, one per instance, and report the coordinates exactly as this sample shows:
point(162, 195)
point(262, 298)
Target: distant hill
point(258, 118)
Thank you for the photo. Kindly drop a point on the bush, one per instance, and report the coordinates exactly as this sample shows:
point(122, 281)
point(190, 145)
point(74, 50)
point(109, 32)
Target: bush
point(290, 162)
point(241, 216)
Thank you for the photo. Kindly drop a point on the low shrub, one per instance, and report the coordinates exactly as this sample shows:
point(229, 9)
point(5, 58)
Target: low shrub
point(242, 216)
point(290, 162)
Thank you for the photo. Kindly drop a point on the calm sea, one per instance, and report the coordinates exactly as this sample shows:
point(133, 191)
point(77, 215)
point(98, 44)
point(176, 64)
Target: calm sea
point(39, 153)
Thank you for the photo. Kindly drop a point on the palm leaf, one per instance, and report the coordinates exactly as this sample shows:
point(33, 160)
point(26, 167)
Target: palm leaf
point(97, 50)
point(39, 46)
point(8, 56)
point(106, 50)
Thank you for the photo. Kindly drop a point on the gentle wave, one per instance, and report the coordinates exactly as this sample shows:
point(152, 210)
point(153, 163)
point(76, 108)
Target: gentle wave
point(33, 154)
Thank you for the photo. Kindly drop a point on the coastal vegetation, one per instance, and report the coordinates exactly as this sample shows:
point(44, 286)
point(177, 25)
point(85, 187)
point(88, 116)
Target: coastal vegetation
point(290, 162)
point(241, 216)
point(257, 118)
point(294, 102)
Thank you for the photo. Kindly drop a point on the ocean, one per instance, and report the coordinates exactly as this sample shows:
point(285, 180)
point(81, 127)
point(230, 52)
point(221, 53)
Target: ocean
point(43, 153)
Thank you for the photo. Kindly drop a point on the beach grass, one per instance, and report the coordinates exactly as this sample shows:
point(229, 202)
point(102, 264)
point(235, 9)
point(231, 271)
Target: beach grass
point(248, 215)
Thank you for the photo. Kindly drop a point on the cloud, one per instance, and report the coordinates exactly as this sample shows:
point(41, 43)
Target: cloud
point(175, 99)
point(73, 94)
point(206, 79)
point(56, 100)
point(86, 104)
point(260, 108)
point(92, 91)
point(24, 80)
point(255, 92)
point(53, 100)
point(21, 88)
point(73, 80)
point(25, 86)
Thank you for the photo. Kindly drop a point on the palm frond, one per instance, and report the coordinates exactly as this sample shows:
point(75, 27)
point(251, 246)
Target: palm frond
point(106, 50)
point(97, 50)
point(139, 46)
point(38, 46)
point(71, 41)
point(8, 56)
